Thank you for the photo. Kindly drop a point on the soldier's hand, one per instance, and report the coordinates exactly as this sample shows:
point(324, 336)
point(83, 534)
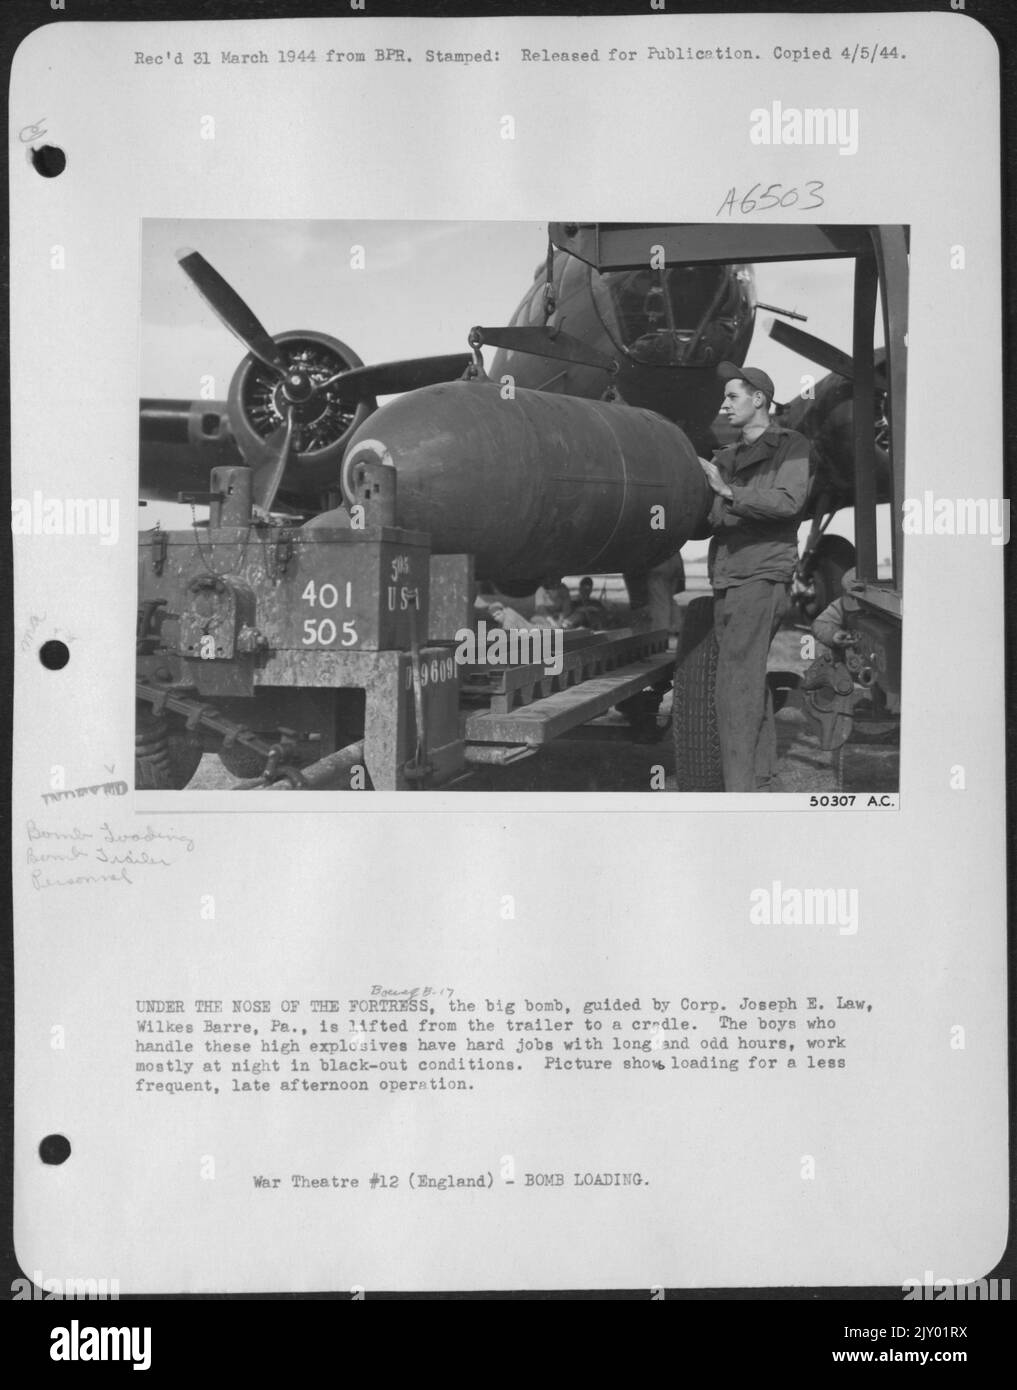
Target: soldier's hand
point(714, 479)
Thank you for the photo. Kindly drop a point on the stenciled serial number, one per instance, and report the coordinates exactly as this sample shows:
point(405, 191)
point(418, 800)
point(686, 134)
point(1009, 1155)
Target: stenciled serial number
point(775, 195)
point(864, 802)
point(436, 671)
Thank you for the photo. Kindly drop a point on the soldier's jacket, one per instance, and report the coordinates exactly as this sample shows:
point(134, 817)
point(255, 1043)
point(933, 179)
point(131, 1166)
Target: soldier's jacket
point(756, 532)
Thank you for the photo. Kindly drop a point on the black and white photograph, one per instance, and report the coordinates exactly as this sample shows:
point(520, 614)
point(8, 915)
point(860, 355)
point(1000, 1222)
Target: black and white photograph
point(598, 547)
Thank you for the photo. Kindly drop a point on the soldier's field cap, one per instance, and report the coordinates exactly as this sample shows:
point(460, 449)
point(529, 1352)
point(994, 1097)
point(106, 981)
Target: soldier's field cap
point(758, 380)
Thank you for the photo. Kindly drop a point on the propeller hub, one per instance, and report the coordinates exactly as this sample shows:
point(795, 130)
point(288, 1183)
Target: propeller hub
point(297, 386)
point(307, 394)
point(307, 404)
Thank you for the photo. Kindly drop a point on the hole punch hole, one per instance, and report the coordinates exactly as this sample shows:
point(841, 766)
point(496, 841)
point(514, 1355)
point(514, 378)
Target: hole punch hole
point(55, 1149)
point(54, 655)
point(49, 161)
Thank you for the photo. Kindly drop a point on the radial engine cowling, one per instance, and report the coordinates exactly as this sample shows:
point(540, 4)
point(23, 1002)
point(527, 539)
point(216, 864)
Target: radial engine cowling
point(322, 424)
point(538, 484)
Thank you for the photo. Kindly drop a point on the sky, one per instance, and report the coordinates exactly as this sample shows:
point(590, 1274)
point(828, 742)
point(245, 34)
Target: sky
point(422, 287)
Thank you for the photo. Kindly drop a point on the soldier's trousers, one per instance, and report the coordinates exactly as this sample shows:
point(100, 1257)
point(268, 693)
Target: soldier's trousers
point(745, 619)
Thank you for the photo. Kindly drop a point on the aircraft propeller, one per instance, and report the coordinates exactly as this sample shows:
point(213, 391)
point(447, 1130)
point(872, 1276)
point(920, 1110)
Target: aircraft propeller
point(303, 412)
point(813, 349)
point(230, 309)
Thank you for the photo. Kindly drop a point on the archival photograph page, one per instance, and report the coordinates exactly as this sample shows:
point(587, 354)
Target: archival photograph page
point(508, 750)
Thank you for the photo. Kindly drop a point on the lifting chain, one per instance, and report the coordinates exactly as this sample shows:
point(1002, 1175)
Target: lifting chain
point(205, 550)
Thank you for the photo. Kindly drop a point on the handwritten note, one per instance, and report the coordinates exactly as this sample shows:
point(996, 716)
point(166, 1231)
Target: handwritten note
point(72, 856)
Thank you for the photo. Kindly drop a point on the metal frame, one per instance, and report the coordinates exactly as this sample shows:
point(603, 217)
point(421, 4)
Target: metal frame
point(390, 723)
point(881, 267)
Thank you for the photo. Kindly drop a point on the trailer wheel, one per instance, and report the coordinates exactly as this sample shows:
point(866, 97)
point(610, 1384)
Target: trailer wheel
point(166, 756)
point(697, 762)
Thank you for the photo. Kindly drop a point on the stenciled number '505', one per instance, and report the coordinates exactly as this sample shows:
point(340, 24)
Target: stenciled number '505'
point(322, 632)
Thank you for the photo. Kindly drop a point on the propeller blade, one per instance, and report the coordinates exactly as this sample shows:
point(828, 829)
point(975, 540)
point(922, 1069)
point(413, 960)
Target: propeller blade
point(267, 478)
point(391, 378)
point(813, 349)
point(227, 305)
point(820, 352)
point(542, 343)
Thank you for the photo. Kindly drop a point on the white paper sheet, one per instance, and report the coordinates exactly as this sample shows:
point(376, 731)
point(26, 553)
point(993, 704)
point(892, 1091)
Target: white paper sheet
point(611, 918)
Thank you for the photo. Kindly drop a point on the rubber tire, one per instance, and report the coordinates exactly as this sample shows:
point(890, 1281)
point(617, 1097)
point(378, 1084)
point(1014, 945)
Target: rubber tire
point(697, 763)
point(834, 557)
point(166, 756)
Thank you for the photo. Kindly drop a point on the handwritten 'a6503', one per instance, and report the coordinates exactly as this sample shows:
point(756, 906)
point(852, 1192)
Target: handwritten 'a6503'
point(775, 195)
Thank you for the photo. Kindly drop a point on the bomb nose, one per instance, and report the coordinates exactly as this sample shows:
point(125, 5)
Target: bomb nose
point(364, 451)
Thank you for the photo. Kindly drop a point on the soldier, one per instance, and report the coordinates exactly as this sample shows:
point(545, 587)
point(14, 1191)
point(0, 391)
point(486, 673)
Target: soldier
point(832, 627)
point(651, 593)
point(588, 611)
point(552, 602)
point(762, 485)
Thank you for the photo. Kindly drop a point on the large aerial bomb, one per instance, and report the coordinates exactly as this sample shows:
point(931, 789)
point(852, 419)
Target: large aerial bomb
point(537, 484)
